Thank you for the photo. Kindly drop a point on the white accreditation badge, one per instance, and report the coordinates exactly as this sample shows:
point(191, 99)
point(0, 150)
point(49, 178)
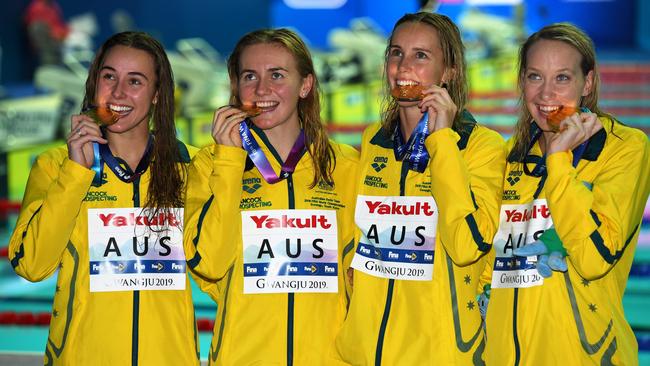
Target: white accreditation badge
point(520, 224)
point(129, 250)
point(290, 251)
point(398, 235)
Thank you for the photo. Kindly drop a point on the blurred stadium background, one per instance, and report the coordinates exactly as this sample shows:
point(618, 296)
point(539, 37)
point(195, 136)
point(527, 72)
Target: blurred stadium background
point(40, 88)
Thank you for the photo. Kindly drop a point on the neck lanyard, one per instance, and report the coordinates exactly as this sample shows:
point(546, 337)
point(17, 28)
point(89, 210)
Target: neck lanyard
point(125, 174)
point(97, 166)
point(260, 160)
point(414, 151)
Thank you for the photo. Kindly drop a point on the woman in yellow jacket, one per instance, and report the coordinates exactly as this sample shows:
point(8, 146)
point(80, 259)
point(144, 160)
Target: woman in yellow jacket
point(106, 212)
point(428, 203)
point(576, 184)
point(269, 211)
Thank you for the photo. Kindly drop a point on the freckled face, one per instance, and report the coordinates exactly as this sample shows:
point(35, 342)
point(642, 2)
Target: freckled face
point(269, 79)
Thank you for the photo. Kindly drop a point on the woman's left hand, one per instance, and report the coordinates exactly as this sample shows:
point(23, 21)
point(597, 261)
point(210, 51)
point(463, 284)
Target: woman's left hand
point(574, 130)
point(441, 108)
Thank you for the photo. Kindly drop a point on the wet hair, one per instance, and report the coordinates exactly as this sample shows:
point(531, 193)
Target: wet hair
point(316, 139)
point(167, 178)
point(453, 52)
point(580, 41)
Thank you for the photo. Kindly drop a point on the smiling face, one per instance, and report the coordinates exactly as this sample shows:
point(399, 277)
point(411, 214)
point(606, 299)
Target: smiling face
point(553, 79)
point(270, 80)
point(414, 57)
point(127, 86)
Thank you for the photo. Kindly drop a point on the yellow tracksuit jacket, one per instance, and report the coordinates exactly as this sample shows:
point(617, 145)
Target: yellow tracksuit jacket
point(99, 328)
point(265, 329)
point(435, 322)
point(576, 317)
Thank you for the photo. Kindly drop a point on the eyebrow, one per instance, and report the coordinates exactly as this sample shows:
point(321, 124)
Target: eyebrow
point(414, 48)
point(560, 70)
point(133, 73)
point(271, 69)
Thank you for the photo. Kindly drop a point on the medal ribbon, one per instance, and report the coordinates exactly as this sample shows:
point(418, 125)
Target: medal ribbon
point(98, 165)
point(125, 174)
point(258, 158)
point(414, 151)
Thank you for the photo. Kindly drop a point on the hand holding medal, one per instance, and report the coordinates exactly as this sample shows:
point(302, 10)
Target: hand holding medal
point(430, 101)
point(257, 156)
point(556, 117)
point(103, 116)
point(571, 129)
point(230, 128)
point(225, 125)
point(85, 134)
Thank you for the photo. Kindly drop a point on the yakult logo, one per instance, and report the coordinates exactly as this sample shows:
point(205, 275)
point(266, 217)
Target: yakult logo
point(284, 221)
point(139, 220)
point(535, 212)
point(419, 208)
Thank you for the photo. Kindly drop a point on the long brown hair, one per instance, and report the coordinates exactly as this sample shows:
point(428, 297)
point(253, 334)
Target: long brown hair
point(574, 37)
point(167, 179)
point(316, 139)
point(453, 52)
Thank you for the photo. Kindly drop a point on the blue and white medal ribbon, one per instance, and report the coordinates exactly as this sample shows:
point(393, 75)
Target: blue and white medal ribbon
point(97, 166)
point(125, 174)
point(414, 151)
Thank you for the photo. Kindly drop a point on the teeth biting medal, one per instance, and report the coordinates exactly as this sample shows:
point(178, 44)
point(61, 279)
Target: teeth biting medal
point(555, 117)
point(251, 109)
point(102, 115)
point(407, 93)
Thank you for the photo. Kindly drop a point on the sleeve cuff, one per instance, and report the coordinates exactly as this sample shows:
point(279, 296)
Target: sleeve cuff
point(76, 173)
point(228, 154)
point(441, 140)
point(558, 165)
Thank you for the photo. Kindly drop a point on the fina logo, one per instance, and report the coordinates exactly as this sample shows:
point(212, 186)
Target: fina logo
point(251, 189)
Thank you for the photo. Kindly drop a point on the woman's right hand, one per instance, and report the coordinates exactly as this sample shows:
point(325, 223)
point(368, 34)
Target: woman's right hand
point(225, 126)
point(83, 132)
point(574, 130)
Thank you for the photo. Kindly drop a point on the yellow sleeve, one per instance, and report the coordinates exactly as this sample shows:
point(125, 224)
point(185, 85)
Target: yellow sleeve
point(368, 132)
point(467, 190)
point(55, 191)
point(212, 215)
point(348, 163)
point(597, 225)
point(207, 286)
point(486, 276)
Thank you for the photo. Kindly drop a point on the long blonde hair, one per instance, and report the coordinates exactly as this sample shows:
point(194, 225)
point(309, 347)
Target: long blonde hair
point(316, 139)
point(453, 52)
point(579, 40)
